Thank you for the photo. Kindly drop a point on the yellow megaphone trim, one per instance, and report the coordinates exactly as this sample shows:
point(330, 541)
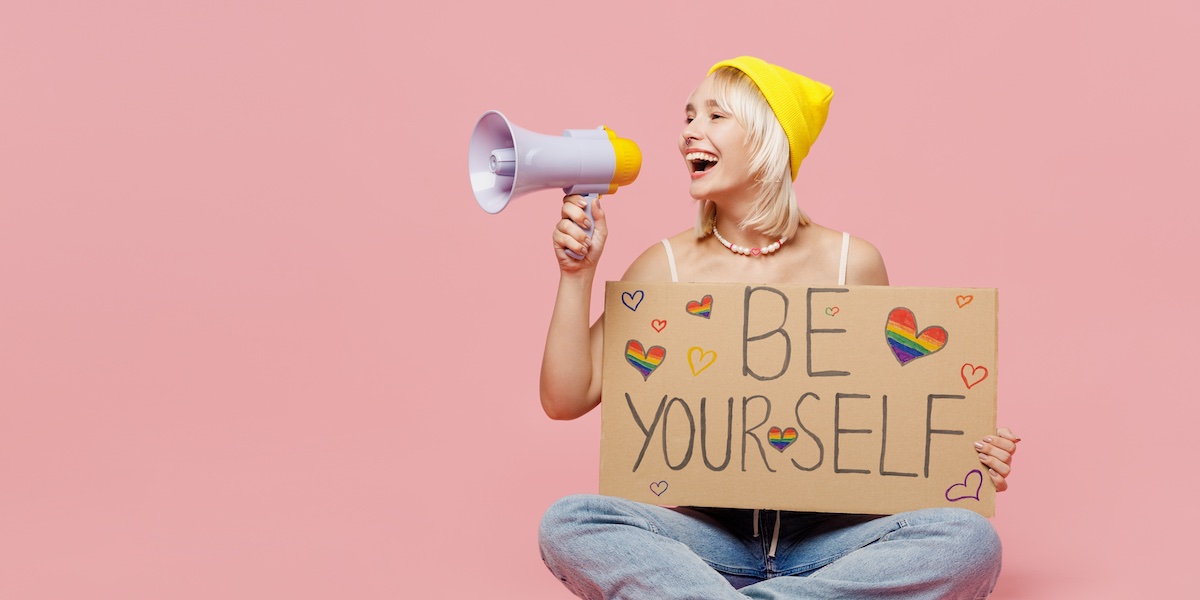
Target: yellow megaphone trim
point(629, 160)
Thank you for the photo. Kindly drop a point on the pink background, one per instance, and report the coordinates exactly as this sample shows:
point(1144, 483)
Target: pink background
point(258, 341)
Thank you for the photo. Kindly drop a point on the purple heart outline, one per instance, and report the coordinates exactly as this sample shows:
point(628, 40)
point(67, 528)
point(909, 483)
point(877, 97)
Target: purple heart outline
point(635, 298)
point(658, 487)
point(966, 486)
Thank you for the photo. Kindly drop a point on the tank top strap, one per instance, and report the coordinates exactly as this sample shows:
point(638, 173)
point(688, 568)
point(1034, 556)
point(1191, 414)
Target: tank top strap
point(671, 261)
point(845, 255)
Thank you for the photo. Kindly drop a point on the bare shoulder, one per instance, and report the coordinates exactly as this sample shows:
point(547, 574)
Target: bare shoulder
point(865, 265)
point(651, 265)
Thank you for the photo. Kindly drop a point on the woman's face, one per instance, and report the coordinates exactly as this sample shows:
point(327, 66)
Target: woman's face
point(713, 145)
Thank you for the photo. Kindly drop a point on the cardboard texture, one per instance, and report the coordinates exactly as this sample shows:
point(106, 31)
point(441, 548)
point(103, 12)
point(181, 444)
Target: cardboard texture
point(854, 399)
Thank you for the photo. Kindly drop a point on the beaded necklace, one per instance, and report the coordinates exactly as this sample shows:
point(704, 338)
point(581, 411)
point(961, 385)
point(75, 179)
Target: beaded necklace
point(744, 251)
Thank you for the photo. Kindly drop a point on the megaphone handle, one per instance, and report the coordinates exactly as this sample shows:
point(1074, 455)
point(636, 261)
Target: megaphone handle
point(587, 209)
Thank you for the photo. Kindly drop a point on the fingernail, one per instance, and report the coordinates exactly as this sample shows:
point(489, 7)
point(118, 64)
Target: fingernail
point(982, 456)
point(587, 223)
point(987, 438)
point(994, 474)
point(978, 446)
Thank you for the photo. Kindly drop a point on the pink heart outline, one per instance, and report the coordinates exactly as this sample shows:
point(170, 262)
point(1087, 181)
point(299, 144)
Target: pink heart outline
point(971, 380)
point(966, 485)
point(654, 485)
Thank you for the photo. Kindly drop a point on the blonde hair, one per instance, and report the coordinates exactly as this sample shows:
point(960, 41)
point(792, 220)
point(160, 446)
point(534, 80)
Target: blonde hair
point(774, 211)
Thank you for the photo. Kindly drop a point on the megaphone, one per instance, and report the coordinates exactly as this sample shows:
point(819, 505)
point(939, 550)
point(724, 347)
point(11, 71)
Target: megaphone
point(507, 161)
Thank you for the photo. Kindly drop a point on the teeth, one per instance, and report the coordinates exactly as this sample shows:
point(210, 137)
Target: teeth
point(701, 156)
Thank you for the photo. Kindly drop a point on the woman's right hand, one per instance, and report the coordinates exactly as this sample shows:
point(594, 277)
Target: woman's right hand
point(570, 234)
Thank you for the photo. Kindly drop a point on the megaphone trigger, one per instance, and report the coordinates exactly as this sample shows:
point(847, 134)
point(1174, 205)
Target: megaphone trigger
point(591, 228)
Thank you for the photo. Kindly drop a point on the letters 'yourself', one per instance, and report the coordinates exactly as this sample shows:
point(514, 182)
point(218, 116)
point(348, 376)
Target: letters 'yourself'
point(874, 415)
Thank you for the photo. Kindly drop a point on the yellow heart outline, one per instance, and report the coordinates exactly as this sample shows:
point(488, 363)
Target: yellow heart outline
point(703, 365)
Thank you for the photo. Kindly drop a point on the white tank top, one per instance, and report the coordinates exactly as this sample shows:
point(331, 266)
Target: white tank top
point(841, 268)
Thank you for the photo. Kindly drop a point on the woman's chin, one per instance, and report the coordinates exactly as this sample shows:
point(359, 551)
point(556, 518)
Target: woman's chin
point(700, 188)
point(699, 191)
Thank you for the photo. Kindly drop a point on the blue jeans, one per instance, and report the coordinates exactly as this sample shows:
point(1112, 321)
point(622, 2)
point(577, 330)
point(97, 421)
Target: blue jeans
point(605, 547)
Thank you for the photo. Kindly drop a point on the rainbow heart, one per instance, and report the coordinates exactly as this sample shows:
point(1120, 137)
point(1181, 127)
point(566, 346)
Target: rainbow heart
point(703, 308)
point(781, 438)
point(642, 360)
point(906, 343)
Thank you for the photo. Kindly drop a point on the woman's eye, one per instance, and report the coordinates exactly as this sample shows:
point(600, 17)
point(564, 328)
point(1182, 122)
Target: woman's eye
point(688, 119)
point(715, 117)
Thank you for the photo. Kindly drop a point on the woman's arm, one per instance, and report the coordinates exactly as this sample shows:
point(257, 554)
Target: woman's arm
point(572, 364)
point(570, 379)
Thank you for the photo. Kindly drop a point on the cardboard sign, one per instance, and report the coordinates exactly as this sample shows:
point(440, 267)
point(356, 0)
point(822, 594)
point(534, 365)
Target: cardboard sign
point(854, 399)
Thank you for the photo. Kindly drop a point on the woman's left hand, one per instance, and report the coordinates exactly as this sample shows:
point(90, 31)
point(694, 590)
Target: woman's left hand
point(996, 452)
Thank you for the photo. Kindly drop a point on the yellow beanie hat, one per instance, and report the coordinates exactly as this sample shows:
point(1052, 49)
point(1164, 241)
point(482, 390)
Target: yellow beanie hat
point(800, 104)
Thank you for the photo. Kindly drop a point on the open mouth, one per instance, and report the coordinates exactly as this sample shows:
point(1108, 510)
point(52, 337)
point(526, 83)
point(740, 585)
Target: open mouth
point(700, 161)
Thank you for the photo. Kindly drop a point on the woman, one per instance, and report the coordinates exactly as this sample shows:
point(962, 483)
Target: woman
point(748, 127)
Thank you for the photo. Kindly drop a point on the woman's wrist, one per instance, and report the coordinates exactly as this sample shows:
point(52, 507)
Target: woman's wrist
point(581, 277)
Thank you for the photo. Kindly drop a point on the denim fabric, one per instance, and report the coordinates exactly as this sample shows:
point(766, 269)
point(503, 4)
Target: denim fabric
point(604, 547)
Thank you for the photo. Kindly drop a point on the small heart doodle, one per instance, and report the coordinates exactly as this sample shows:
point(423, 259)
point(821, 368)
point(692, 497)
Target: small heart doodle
point(645, 361)
point(658, 487)
point(659, 324)
point(632, 300)
point(781, 438)
point(962, 491)
point(699, 359)
point(908, 345)
point(831, 311)
point(963, 300)
point(972, 374)
point(703, 308)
